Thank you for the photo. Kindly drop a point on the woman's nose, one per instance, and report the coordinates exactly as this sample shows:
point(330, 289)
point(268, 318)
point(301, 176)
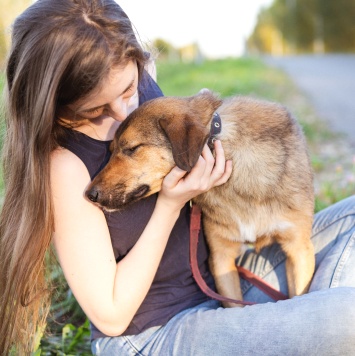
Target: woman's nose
point(118, 110)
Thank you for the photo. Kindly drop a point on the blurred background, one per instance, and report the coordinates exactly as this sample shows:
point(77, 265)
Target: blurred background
point(230, 28)
point(304, 26)
point(234, 28)
point(300, 53)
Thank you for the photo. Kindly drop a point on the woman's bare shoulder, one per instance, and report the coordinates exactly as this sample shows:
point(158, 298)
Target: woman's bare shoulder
point(65, 161)
point(69, 176)
point(66, 165)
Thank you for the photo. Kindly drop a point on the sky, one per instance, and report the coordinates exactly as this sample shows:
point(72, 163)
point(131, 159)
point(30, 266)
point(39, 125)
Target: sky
point(219, 27)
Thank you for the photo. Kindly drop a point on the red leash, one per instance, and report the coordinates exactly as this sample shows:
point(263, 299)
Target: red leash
point(195, 226)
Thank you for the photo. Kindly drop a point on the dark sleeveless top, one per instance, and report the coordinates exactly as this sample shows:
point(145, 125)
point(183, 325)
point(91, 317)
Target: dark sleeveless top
point(173, 288)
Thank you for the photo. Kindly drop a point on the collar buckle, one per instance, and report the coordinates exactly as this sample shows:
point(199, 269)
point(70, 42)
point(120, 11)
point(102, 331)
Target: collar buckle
point(216, 127)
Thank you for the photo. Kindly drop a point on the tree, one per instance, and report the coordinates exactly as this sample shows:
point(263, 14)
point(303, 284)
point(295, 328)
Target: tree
point(339, 25)
point(164, 48)
point(3, 47)
point(10, 10)
point(305, 26)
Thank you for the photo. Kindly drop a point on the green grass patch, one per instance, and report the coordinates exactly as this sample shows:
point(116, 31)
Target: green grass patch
point(226, 77)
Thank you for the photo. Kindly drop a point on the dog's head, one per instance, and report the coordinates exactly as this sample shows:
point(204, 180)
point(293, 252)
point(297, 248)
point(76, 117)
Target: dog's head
point(160, 134)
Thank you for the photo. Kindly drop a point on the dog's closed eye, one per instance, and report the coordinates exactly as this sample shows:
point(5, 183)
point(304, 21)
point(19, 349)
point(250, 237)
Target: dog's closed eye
point(130, 150)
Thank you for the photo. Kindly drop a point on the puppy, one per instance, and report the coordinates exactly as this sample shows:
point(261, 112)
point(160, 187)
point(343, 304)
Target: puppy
point(268, 198)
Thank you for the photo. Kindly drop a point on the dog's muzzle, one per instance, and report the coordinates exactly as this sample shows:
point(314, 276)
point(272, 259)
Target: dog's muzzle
point(92, 194)
point(116, 198)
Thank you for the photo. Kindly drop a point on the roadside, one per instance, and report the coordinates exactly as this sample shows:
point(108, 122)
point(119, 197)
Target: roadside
point(328, 81)
point(332, 153)
point(327, 84)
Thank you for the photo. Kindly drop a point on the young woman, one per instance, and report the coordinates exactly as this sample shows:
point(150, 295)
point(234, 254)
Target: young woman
point(75, 71)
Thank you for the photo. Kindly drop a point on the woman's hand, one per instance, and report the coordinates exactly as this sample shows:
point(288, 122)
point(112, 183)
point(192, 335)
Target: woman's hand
point(179, 187)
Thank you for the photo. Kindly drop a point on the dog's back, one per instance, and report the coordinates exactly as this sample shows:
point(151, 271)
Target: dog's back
point(271, 173)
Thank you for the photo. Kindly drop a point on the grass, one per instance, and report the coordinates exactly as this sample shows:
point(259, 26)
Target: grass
point(69, 333)
point(226, 77)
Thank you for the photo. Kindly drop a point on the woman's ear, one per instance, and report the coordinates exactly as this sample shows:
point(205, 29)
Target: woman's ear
point(187, 137)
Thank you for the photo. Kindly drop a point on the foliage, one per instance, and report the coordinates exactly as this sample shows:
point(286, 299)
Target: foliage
point(67, 331)
point(72, 341)
point(3, 50)
point(299, 26)
point(163, 47)
point(345, 186)
point(10, 10)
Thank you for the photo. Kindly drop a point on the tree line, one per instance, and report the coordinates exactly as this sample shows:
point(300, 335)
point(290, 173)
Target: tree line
point(304, 26)
point(9, 10)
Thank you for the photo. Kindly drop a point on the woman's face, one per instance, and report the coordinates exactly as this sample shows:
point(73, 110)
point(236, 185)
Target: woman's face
point(110, 104)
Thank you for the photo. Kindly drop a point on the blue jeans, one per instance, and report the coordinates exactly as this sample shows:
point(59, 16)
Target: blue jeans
point(320, 323)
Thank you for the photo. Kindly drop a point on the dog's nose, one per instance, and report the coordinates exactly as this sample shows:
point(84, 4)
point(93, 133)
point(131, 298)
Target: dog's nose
point(92, 194)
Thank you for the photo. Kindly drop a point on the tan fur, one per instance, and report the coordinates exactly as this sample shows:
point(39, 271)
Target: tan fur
point(268, 198)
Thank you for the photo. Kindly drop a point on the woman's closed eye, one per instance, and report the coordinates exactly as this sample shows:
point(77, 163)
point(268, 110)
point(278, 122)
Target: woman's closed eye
point(93, 111)
point(131, 88)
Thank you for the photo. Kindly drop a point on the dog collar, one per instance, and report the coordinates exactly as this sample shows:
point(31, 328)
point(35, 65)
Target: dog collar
point(216, 127)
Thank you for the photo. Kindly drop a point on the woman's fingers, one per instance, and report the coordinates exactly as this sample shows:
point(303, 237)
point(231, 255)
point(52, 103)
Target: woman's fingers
point(222, 169)
point(207, 173)
point(199, 178)
point(173, 178)
point(220, 161)
point(217, 170)
point(226, 174)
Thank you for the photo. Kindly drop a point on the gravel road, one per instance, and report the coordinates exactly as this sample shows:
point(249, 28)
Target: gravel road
point(329, 82)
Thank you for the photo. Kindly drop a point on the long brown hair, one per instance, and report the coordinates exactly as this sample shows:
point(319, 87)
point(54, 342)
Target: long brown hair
point(61, 50)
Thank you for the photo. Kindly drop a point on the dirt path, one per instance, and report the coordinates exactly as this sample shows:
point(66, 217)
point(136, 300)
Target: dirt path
point(329, 83)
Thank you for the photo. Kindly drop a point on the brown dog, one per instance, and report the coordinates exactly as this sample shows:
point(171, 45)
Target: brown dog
point(268, 198)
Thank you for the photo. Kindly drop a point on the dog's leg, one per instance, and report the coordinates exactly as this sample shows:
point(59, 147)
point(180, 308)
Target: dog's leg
point(300, 262)
point(223, 254)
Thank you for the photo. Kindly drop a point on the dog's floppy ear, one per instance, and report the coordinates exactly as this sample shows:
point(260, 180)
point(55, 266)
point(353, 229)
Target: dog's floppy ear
point(187, 137)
